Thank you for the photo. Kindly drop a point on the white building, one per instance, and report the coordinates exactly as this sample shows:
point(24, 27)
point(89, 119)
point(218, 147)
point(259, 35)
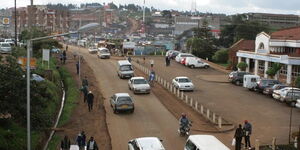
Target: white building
point(282, 47)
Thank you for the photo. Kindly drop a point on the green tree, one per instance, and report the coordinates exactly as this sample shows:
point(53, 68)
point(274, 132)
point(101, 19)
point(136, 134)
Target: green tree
point(297, 82)
point(242, 66)
point(273, 70)
point(221, 56)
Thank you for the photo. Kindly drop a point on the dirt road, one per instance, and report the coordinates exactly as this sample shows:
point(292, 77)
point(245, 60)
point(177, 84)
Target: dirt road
point(268, 117)
point(150, 118)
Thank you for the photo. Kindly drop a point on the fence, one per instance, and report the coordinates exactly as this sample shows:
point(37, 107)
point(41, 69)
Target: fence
point(214, 118)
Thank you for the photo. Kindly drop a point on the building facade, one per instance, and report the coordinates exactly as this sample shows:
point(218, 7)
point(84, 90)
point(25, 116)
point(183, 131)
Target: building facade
point(41, 17)
point(277, 21)
point(281, 47)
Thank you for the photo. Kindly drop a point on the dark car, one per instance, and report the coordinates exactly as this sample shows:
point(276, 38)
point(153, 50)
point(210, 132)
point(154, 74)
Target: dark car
point(265, 83)
point(236, 77)
point(269, 90)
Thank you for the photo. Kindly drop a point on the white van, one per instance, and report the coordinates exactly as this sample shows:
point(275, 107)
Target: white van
point(103, 53)
point(195, 62)
point(204, 142)
point(145, 143)
point(250, 81)
point(125, 69)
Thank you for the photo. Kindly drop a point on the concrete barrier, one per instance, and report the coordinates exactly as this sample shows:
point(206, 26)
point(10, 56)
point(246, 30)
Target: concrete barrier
point(196, 105)
point(257, 144)
point(220, 122)
point(182, 95)
point(207, 113)
point(201, 109)
point(191, 102)
point(214, 118)
point(178, 93)
point(186, 99)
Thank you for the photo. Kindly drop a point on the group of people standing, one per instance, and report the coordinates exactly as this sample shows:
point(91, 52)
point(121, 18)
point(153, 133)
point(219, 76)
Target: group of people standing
point(80, 141)
point(241, 132)
point(88, 96)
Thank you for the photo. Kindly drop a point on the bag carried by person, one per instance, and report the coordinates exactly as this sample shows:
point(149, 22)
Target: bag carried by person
point(233, 142)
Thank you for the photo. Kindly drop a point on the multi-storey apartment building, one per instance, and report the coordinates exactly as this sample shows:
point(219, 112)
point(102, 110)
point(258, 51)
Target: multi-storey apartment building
point(41, 17)
point(282, 47)
point(276, 21)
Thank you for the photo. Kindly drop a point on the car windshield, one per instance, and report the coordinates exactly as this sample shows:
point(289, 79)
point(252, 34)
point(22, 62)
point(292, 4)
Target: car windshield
point(104, 51)
point(5, 45)
point(126, 68)
point(187, 56)
point(124, 99)
point(184, 80)
point(139, 81)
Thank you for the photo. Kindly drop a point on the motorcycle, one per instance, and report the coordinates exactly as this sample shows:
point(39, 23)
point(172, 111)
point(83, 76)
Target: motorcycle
point(184, 130)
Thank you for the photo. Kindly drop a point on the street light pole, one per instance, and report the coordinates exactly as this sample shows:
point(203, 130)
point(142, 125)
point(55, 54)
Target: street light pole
point(29, 48)
point(16, 42)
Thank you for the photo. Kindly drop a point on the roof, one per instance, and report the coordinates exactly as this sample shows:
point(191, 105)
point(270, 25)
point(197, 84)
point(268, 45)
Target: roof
point(292, 33)
point(207, 142)
point(124, 62)
point(150, 143)
point(248, 45)
point(137, 78)
point(181, 77)
point(122, 94)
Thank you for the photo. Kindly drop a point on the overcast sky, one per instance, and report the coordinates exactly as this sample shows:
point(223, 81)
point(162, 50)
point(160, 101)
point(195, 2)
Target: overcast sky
point(214, 6)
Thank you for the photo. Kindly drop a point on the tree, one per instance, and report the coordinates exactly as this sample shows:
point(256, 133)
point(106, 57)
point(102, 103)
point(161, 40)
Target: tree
point(242, 66)
point(273, 70)
point(221, 56)
point(297, 82)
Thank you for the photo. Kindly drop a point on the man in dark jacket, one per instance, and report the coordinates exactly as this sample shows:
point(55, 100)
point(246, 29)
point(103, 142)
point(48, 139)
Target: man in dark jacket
point(85, 91)
point(65, 143)
point(247, 132)
point(239, 133)
point(90, 100)
point(91, 144)
point(81, 140)
point(85, 82)
point(64, 57)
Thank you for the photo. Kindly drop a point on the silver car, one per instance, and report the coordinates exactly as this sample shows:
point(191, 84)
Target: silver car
point(183, 84)
point(139, 85)
point(122, 102)
point(5, 47)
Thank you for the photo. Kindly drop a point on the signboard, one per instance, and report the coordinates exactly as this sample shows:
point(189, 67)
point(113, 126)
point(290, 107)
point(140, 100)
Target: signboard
point(23, 61)
point(5, 21)
point(128, 45)
point(46, 54)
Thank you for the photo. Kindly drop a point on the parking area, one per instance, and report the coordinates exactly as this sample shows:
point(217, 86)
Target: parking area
point(235, 103)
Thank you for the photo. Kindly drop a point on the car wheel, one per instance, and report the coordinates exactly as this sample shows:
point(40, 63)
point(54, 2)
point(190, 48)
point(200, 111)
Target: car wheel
point(132, 110)
point(192, 66)
point(293, 104)
point(237, 82)
point(206, 67)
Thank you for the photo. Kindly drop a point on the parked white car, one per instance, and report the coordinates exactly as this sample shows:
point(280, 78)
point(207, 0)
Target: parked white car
point(298, 103)
point(103, 53)
point(278, 94)
point(146, 143)
point(139, 85)
point(93, 50)
point(195, 62)
point(5, 47)
point(183, 83)
point(180, 56)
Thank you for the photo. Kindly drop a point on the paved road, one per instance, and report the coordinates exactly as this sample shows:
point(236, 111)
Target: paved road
point(269, 118)
point(150, 118)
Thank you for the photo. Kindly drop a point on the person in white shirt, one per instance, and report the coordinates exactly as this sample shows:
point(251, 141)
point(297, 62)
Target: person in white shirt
point(91, 144)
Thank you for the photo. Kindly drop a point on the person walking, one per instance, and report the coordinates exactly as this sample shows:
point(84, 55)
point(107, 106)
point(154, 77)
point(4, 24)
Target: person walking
point(77, 67)
point(91, 144)
point(85, 82)
point(61, 57)
point(166, 59)
point(238, 137)
point(67, 47)
point(65, 143)
point(80, 140)
point(129, 59)
point(247, 132)
point(64, 57)
point(85, 92)
point(90, 100)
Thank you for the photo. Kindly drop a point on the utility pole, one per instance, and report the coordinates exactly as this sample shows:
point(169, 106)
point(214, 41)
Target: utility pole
point(31, 3)
point(16, 42)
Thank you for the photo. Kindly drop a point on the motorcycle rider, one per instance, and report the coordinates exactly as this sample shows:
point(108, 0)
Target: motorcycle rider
point(184, 122)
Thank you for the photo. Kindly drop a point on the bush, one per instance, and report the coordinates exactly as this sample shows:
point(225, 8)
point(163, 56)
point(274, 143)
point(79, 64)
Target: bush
point(221, 56)
point(297, 82)
point(273, 70)
point(242, 66)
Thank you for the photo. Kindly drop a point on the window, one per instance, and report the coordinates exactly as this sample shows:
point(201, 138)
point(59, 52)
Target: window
point(283, 70)
point(261, 46)
point(261, 65)
point(295, 70)
point(190, 145)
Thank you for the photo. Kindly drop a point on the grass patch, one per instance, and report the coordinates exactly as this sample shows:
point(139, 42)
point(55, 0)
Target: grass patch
point(72, 94)
point(54, 142)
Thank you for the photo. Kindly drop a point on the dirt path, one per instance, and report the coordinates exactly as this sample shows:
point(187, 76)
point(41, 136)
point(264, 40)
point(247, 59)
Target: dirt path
point(94, 122)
